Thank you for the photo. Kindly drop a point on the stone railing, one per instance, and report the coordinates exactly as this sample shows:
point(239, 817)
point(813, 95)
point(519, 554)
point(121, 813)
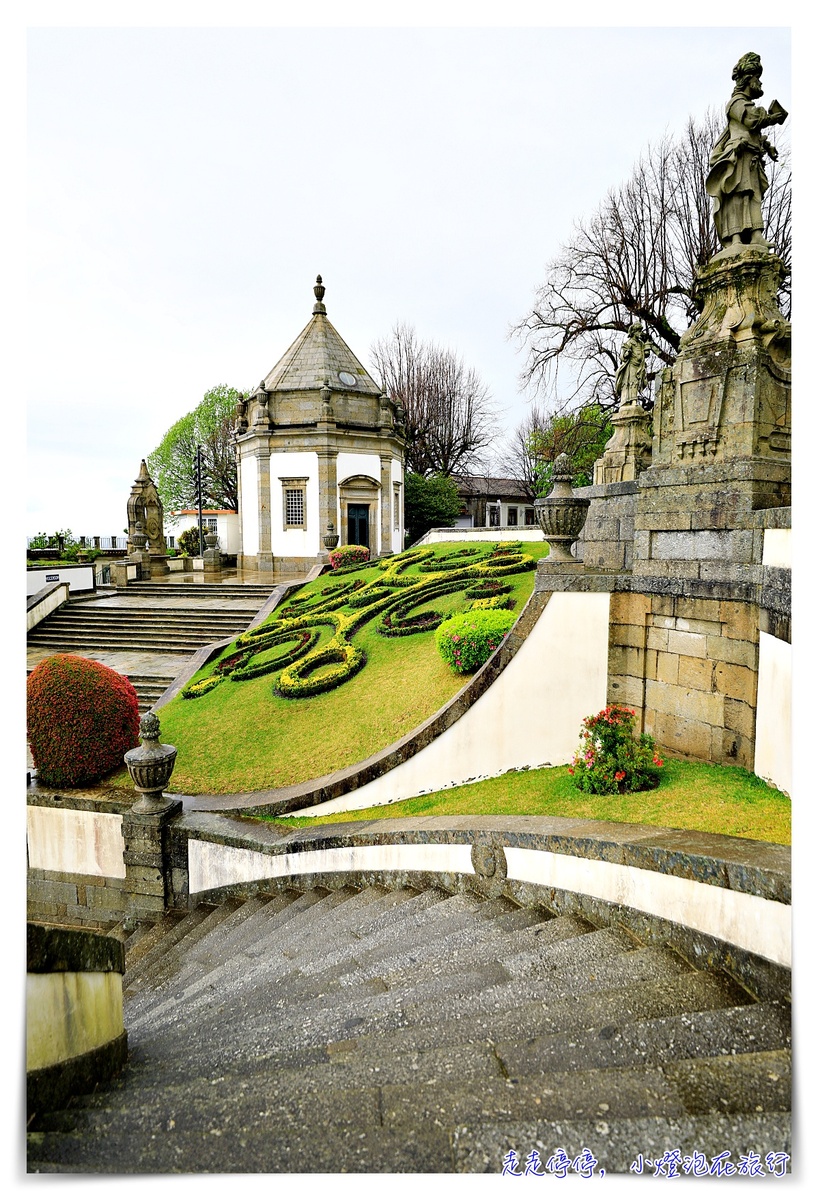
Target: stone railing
point(44, 602)
point(717, 900)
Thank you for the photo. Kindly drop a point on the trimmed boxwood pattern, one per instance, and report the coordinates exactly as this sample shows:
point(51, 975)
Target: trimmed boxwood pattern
point(401, 600)
point(82, 717)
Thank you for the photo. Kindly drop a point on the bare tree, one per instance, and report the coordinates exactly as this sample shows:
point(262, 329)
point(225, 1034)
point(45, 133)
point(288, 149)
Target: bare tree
point(448, 414)
point(521, 458)
point(636, 258)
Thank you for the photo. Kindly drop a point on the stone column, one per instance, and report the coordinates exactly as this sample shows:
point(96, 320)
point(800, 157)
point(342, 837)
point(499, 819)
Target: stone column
point(386, 504)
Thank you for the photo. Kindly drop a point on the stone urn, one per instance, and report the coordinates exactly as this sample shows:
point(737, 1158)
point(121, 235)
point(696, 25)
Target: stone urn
point(150, 766)
point(561, 514)
point(139, 538)
point(330, 538)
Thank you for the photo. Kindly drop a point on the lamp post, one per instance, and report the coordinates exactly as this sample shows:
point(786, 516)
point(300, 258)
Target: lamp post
point(199, 497)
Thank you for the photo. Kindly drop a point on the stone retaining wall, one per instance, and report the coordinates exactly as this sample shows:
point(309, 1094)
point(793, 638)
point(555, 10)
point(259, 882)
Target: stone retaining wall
point(690, 668)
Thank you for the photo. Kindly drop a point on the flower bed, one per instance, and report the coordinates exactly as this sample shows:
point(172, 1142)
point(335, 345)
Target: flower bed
point(405, 582)
point(610, 759)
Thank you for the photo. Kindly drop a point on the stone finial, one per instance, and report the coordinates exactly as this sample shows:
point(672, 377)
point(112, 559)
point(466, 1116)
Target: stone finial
point(319, 291)
point(150, 765)
point(561, 514)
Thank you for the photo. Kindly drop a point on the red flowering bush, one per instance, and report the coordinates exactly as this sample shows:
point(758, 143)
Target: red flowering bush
point(81, 717)
point(610, 759)
point(347, 556)
point(469, 639)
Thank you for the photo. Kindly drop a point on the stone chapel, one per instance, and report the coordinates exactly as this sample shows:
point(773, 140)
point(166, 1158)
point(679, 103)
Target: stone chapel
point(319, 448)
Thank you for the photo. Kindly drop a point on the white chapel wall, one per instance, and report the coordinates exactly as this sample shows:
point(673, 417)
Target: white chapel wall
point(248, 465)
point(294, 543)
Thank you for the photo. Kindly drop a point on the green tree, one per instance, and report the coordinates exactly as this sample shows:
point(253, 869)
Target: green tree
point(429, 501)
point(581, 435)
point(173, 463)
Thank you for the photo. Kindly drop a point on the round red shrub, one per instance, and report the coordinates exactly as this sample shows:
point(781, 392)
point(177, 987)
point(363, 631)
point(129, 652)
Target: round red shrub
point(82, 717)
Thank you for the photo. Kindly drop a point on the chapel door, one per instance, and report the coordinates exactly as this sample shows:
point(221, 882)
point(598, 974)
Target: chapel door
point(358, 525)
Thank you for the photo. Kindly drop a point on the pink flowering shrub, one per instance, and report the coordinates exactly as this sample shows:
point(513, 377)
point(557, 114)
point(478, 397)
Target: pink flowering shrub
point(347, 556)
point(467, 640)
point(610, 759)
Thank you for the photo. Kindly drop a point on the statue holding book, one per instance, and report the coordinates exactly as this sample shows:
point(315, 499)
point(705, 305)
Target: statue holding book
point(737, 181)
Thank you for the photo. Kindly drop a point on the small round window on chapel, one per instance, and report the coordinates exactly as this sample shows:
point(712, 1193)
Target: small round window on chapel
point(347, 379)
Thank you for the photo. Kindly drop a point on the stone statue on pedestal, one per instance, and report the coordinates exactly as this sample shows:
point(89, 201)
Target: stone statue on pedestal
point(631, 376)
point(628, 451)
point(736, 180)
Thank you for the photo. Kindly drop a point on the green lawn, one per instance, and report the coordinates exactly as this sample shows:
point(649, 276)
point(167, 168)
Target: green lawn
point(243, 737)
point(698, 796)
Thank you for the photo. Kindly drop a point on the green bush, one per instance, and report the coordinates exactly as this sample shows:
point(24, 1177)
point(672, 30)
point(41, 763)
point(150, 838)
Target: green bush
point(347, 556)
point(467, 640)
point(188, 542)
point(610, 759)
point(82, 717)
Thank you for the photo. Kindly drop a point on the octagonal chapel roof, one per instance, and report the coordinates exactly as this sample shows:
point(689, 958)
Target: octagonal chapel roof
point(319, 354)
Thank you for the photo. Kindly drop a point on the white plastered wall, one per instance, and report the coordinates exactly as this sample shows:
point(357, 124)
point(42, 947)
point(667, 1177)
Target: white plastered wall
point(248, 465)
point(294, 543)
point(529, 717)
point(76, 842)
point(773, 751)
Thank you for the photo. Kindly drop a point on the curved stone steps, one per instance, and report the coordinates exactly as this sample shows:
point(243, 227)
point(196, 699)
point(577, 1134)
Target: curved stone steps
point(414, 1030)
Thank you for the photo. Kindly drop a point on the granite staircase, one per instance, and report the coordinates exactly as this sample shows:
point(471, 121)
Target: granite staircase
point(408, 1030)
point(157, 620)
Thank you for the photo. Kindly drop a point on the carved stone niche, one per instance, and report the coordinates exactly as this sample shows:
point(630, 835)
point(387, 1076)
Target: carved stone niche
point(145, 510)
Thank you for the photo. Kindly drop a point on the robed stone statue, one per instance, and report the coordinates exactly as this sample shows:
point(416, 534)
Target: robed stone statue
point(736, 180)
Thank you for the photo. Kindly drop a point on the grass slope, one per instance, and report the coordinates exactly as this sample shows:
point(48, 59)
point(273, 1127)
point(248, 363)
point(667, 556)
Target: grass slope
point(699, 796)
point(242, 737)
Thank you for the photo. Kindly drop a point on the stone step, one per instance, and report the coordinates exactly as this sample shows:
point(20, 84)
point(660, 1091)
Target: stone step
point(367, 1030)
point(692, 992)
point(257, 957)
point(288, 907)
point(748, 1083)
point(165, 939)
point(761, 1026)
point(619, 1145)
point(326, 1150)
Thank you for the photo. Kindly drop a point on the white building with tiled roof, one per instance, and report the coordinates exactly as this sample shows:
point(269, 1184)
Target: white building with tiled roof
point(318, 444)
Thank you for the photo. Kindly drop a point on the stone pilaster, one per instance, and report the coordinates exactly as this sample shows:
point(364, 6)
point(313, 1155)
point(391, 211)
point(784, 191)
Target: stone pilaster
point(386, 504)
point(327, 492)
point(727, 396)
point(627, 453)
point(264, 501)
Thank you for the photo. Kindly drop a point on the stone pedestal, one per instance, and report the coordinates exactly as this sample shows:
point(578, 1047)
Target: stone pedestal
point(212, 557)
point(727, 396)
point(158, 566)
point(628, 452)
point(148, 878)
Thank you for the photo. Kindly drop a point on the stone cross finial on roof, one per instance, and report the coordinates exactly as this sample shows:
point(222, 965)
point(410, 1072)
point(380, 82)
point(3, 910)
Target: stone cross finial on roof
point(319, 290)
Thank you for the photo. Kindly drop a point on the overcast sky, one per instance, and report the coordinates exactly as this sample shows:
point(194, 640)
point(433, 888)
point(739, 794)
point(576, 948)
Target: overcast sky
point(185, 185)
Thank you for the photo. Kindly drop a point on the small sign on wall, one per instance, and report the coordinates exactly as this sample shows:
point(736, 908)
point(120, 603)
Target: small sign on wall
point(52, 579)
